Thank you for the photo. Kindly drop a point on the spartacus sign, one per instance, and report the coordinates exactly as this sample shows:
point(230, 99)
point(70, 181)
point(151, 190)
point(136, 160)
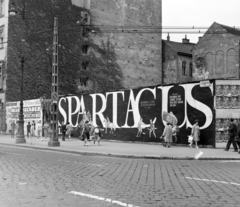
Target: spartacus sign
point(120, 112)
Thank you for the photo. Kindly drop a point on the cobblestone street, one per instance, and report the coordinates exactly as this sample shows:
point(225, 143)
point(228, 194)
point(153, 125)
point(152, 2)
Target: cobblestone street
point(31, 177)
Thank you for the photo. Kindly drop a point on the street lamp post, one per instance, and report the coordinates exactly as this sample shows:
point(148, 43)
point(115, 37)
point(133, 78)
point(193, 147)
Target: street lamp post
point(20, 136)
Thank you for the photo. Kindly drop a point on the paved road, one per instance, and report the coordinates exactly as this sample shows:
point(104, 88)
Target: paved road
point(30, 177)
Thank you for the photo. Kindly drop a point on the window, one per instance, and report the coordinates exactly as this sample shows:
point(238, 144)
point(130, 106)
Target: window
point(184, 67)
point(85, 18)
point(83, 81)
point(190, 70)
point(85, 65)
point(2, 8)
point(85, 49)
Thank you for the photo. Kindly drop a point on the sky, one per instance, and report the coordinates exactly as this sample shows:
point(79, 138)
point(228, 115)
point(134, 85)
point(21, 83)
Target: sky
point(182, 14)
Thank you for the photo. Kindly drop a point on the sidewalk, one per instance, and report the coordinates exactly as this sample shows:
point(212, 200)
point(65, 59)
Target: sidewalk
point(127, 149)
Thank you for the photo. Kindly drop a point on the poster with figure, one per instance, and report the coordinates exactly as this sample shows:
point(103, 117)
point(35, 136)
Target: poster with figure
point(131, 114)
point(32, 112)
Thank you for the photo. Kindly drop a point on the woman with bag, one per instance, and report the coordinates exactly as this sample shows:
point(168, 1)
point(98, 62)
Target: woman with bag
point(69, 128)
point(195, 134)
point(86, 135)
point(167, 135)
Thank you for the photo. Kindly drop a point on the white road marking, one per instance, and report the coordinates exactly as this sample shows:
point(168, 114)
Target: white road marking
point(215, 181)
point(22, 183)
point(103, 199)
point(81, 163)
point(198, 155)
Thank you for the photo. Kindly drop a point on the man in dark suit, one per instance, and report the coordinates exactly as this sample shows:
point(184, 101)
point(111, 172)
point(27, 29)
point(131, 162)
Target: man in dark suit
point(238, 136)
point(232, 131)
point(64, 129)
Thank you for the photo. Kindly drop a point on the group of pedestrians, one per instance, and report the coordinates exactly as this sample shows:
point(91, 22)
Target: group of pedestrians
point(234, 136)
point(66, 129)
point(87, 132)
point(170, 134)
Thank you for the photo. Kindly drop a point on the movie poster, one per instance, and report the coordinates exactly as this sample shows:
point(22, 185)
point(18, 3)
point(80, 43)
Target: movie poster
point(32, 112)
point(141, 114)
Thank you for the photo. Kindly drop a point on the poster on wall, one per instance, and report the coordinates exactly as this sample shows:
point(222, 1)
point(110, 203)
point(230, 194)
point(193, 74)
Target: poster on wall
point(32, 113)
point(227, 104)
point(141, 114)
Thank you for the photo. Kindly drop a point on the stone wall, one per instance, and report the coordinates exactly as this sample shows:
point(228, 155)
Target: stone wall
point(138, 43)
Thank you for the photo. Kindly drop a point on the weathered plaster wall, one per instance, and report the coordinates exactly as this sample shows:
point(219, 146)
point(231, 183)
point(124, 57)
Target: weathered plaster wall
point(221, 52)
point(169, 64)
point(139, 53)
point(172, 66)
point(187, 77)
point(3, 51)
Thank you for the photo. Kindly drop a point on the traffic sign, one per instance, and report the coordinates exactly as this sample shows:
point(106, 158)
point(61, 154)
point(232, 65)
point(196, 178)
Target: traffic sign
point(54, 96)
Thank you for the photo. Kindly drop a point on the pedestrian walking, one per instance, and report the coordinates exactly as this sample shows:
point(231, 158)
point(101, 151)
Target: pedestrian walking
point(195, 134)
point(39, 130)
point(86, 135)
point(33, 128)
point(96, 135)
point(13, 127)
point(63, 129)
point(28, 129)
point(69, 128)
point(237, 138)
point(175, 130)
point(16, 128)
point(232, 132)
point(167, 135)
point(45, 129)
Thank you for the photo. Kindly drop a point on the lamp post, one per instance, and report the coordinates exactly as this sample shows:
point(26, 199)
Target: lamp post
point(20, 136)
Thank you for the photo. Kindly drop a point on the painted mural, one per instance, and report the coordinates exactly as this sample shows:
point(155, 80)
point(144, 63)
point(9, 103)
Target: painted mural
point(141, 114)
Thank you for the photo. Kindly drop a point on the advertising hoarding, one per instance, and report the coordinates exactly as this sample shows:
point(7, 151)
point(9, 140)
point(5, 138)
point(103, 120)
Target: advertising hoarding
point(123, 114)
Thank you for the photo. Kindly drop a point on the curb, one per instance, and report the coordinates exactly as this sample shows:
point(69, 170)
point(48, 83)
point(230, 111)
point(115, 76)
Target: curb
point(155, 157)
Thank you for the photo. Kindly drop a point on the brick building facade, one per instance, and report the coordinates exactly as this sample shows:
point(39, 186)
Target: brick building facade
point(220, 48)
point(177, 61)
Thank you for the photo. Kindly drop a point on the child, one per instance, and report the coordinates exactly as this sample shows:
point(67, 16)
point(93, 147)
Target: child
point(97, 135)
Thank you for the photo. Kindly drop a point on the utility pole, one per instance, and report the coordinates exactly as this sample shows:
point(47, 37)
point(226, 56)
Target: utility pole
point(54, 95)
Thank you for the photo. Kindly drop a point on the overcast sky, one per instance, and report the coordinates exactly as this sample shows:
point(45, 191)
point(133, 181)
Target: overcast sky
point(197, 13)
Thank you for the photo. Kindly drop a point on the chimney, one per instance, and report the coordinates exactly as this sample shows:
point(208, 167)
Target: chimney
point(168, 37)
point(199, 38)
point(185, 40)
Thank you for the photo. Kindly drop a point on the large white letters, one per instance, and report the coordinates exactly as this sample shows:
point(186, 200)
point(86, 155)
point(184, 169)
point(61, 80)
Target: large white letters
point(70, 113)
point(115, 104)
point(165, 91)
point(94, 105)
point(135, 107)
point(62, 111)
point(197, 105)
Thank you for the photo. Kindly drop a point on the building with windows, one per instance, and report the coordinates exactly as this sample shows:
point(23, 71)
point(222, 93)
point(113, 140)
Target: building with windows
point(134, 30)
point(177, 61)
point(3, 57)
point(3, 44)
point(219, 47)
